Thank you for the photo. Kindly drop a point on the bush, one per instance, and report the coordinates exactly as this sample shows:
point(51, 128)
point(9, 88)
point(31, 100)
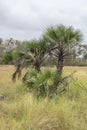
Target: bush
point(8, 58)
point(38, 82)
point(45, 84)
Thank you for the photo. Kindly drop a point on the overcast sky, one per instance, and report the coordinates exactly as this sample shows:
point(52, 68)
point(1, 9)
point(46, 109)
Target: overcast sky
point(27, 19)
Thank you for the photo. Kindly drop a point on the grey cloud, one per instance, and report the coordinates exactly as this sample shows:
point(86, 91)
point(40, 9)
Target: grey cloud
point(26, 19)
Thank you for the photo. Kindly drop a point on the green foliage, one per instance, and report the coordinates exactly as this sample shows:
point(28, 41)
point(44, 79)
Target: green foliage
point(30, 53)
point(85, 56)
point(8, 58)
point(61, 38)
point(38, 82)
point(45, 84)
point(62, 35)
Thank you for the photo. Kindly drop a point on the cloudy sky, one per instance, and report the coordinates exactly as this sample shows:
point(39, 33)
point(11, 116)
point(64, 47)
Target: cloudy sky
point(27, 19)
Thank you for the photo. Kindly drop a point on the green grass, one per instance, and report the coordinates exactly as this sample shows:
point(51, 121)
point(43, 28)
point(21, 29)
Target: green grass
point(21, 111)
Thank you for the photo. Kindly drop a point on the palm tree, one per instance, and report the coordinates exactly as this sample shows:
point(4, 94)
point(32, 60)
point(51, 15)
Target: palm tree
point(39, 50)
point(61, 37)
point(31, 53)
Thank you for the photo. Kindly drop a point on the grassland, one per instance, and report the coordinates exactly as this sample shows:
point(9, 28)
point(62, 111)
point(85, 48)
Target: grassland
point(21, 111)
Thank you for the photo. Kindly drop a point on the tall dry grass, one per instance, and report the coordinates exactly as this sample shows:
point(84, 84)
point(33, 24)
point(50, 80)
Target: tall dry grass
point(21, 111)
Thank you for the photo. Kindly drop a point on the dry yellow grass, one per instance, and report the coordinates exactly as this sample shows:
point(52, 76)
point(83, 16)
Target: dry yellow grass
point(21, 111)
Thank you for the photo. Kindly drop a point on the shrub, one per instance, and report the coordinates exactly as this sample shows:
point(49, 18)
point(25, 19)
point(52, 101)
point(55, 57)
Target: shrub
point(8, 58)
point(45, 84)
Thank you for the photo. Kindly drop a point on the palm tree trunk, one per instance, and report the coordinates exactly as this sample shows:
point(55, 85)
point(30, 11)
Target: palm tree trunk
point(60, 66)
point(60, 62)
point(37, 66)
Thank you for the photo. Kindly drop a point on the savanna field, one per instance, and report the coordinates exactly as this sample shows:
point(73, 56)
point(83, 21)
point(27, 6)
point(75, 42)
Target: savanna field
point(20, 110)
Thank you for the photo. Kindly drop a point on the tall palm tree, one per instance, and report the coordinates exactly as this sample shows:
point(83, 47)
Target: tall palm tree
point(62, 37)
